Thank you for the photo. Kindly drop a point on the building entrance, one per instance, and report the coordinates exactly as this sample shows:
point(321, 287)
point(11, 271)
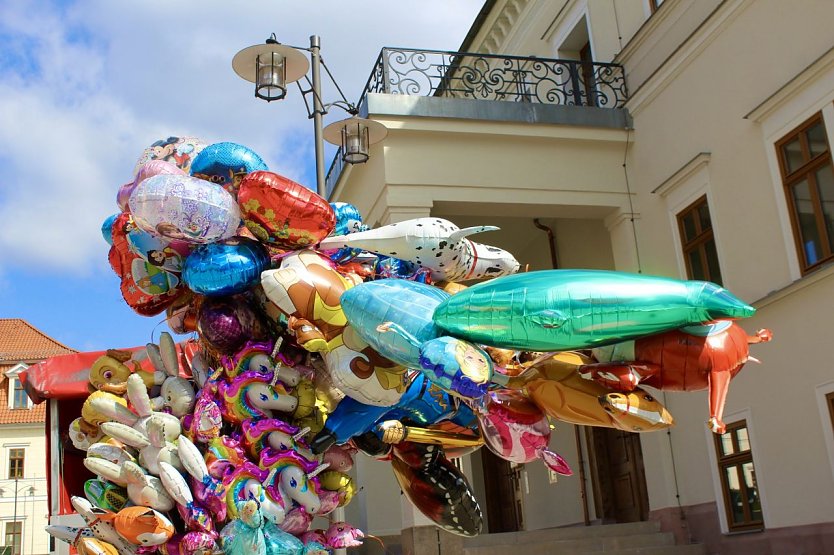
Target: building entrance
point(619, 481)
point(504, 501)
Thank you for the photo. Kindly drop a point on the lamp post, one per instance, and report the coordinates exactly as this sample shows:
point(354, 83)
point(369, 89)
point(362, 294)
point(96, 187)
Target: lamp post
point(31, 490)
point(272, 66)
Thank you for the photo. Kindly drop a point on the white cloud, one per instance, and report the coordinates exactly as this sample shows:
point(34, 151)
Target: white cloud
point(86, 86)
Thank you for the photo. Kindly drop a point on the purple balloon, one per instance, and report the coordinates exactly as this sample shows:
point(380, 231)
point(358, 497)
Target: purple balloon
point(226, 324)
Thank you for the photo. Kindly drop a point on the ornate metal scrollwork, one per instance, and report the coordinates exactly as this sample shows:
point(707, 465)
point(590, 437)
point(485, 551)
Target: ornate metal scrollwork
point(494, 77)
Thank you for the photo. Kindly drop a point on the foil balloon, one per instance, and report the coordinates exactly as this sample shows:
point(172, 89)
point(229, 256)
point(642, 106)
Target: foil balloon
point(162, 253)
point(107, 228)
point(141, 525)
point(146, 288)
point(423, 403)
point(182, 315)
point(554, 384)
point(282, 212)
point(226, 323)
point(408, 304)
point(179, 151)
point(226, 164)
point(433, 243)
point(690, 359)
point(559, 310)
point(437, 488)
point(348, 220)
point(394, 317)
point(185, 208)
point(225, 267)
point(148, 169)
point(516, 430)
point(307, 290)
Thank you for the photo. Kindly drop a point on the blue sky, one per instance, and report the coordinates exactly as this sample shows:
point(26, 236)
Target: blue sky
point(86, 85)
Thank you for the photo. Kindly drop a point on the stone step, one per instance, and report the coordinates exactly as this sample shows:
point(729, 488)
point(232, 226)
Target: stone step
point(691, 549)
point(564, 533)
point(607, 544)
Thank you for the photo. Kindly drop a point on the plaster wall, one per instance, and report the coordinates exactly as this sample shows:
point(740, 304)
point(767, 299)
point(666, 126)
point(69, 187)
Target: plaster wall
point(30, 509)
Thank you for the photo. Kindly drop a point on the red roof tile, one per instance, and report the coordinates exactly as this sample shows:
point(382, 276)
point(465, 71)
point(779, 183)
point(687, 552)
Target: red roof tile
point(17, 416)
point(20, 341)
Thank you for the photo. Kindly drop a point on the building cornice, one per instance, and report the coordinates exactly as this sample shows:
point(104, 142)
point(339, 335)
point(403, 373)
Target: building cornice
point(685, 54)
point(667, 10)
point(797, 83)
point(682, 174)
point(805, 281)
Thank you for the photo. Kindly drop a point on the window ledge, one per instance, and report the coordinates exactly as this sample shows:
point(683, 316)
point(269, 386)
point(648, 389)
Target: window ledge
point(742, 532)
point(824, 272)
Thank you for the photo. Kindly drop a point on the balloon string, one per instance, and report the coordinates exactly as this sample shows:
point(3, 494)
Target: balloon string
point(381, 543)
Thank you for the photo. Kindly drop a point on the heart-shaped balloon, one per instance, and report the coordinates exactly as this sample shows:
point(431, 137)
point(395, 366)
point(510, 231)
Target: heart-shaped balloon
point(280, 211)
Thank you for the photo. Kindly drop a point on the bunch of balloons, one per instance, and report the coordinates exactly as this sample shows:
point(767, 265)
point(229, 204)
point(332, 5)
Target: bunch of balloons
point(315, 338)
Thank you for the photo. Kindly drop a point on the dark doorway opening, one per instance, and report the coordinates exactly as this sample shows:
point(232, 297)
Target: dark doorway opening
point(619, 480)
point(504, 501)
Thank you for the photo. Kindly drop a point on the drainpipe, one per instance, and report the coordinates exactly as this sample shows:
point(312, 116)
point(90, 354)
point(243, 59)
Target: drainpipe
point(583, 492)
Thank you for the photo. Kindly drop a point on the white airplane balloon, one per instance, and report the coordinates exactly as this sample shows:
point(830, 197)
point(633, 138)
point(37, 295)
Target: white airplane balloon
point(433, 243)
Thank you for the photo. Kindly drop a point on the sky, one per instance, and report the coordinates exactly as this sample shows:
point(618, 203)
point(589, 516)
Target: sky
point(87, 85)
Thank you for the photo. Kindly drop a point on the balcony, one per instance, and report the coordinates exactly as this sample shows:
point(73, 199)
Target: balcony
point(531, 81)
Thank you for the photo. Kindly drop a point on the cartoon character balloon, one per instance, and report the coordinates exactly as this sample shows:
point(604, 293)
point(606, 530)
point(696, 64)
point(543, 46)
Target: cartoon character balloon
point(185, 208)
point(179, 151)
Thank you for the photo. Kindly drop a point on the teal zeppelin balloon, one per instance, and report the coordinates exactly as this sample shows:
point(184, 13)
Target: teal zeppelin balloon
point(559, 310)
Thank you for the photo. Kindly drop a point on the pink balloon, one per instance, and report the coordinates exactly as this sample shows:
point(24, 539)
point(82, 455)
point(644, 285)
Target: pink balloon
point(515, 429)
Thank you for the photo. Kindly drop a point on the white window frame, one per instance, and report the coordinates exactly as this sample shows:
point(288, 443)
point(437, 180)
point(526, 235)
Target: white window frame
point(7, 447)
point(13, 374)
point(761, 480)
point(809, 92)
point(577, 15)
point(689, 183)
point(9, 520)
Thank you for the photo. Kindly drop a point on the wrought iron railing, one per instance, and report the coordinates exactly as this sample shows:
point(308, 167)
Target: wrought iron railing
point(498, 77)
point(492, 77)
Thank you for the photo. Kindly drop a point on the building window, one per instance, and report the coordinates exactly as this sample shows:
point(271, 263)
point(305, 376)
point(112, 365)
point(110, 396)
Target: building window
point(808, 177)
point(655, 4)
point(738, 478)
point(13, 537)
point(20, 400)
point(829, 401)
point(698, 242)
point(16, 458)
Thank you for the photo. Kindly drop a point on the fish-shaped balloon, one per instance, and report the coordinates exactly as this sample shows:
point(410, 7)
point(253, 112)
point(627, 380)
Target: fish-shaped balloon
point(433, 243)
point(561, 310)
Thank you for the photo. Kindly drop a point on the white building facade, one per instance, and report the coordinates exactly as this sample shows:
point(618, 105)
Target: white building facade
point(710, 159)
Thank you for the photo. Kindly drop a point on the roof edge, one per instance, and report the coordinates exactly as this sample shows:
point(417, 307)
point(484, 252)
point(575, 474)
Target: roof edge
point(486, 9)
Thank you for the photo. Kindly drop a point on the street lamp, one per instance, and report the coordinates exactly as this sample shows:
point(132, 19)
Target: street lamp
point(272, 66)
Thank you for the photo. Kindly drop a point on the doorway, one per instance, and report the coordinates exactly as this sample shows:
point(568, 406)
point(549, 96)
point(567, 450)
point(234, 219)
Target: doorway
point(619, 480)
point(504, 500)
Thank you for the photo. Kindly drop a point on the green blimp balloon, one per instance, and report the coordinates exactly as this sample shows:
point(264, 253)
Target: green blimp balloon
point(560, 310)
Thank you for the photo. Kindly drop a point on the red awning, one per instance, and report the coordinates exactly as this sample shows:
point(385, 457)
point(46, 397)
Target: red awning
point(67, 376)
